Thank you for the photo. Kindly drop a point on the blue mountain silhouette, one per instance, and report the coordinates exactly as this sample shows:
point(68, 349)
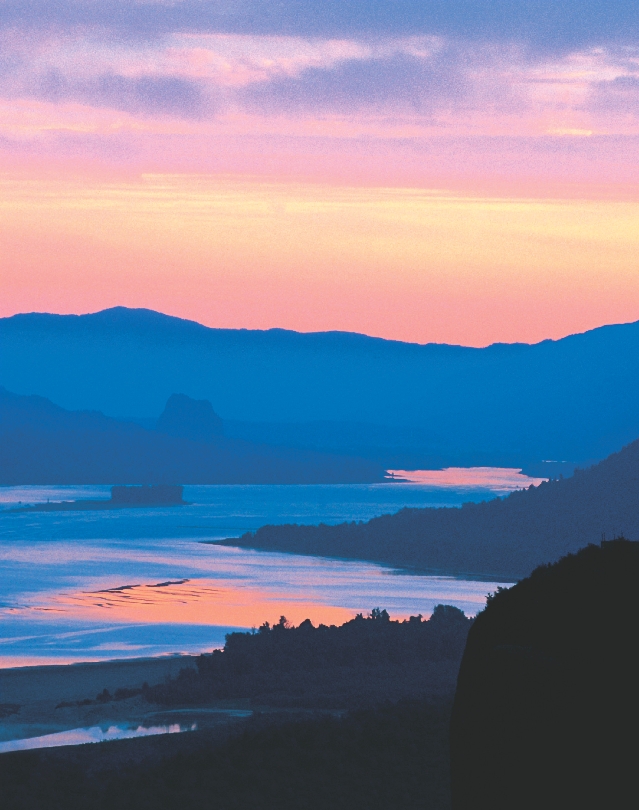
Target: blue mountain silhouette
point(41, 443)
point(575, 399)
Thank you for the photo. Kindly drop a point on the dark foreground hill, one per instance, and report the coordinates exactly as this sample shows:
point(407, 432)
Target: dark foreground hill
point(41, 443)
point(300, 749)
point(386, 758)
point(546, 710)
point(406, 405)
point(504, 538)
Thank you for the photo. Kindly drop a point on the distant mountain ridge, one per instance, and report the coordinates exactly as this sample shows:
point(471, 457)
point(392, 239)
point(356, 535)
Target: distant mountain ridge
point(573, 399)
point(505, 538)
point(41, 443)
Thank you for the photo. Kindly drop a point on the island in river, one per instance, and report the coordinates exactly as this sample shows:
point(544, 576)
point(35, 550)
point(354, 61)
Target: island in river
point(122, 497)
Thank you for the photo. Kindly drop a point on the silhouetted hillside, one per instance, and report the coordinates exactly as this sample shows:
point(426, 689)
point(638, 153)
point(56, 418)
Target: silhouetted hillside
point(41, 443)
point(505, 537)
point(389, 758)
point(389, 754)
point(364, 662)
point(546, 709)
point(402, 404)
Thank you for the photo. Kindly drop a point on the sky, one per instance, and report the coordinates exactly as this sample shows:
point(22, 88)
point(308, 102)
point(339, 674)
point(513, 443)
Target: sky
point(461, 171)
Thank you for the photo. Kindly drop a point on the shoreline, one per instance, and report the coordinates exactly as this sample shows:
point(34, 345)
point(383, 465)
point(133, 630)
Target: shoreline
point(63, 707)
point(81, 680)
point(89, 506)
point(394, 567)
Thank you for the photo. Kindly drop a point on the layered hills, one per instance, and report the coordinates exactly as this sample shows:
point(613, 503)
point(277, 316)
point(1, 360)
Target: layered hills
point(403, 405)
point(503, 538)
point(42, 443)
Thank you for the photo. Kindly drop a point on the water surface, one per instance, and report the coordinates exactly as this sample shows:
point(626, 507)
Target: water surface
point(90, 586)
point(80, 736)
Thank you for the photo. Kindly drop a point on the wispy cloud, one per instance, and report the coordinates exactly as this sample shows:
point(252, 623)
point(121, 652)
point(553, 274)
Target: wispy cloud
point(546, 24)
point(428, 82)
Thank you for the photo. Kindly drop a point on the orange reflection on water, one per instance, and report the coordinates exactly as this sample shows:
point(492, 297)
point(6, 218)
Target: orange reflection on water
point(201, 601)
point(500, 478)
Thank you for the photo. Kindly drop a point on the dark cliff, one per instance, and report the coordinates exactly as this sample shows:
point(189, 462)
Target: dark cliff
point(545, 712)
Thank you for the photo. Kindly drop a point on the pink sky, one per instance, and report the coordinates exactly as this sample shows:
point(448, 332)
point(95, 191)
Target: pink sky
point(422, 188)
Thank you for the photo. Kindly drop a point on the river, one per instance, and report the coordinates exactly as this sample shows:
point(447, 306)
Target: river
point(92, 586)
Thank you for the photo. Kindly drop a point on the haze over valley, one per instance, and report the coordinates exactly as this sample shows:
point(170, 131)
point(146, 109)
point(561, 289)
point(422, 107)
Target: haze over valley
point(398, 405)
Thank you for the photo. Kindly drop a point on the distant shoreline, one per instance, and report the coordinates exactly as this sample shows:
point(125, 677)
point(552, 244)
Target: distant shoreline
point(122, 497)
point(79, 680)
point(50, 698)
point(88, 506)
point(160, 661)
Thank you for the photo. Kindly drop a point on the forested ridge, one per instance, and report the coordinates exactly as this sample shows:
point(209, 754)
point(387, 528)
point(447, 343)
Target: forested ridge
point(503, 538)
point(364, 662)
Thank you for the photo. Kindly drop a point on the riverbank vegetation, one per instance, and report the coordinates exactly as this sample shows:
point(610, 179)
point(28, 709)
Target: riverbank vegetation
point(363, 662)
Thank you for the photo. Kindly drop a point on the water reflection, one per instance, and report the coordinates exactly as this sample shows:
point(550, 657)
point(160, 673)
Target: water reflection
point(193, 614)
point(499, 479)
point(80, 736)
point(140, 582)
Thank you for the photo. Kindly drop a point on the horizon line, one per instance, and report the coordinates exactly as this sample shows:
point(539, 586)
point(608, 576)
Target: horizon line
point(122, 307)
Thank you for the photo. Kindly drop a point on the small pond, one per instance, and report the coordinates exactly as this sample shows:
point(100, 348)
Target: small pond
point(123, 730)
